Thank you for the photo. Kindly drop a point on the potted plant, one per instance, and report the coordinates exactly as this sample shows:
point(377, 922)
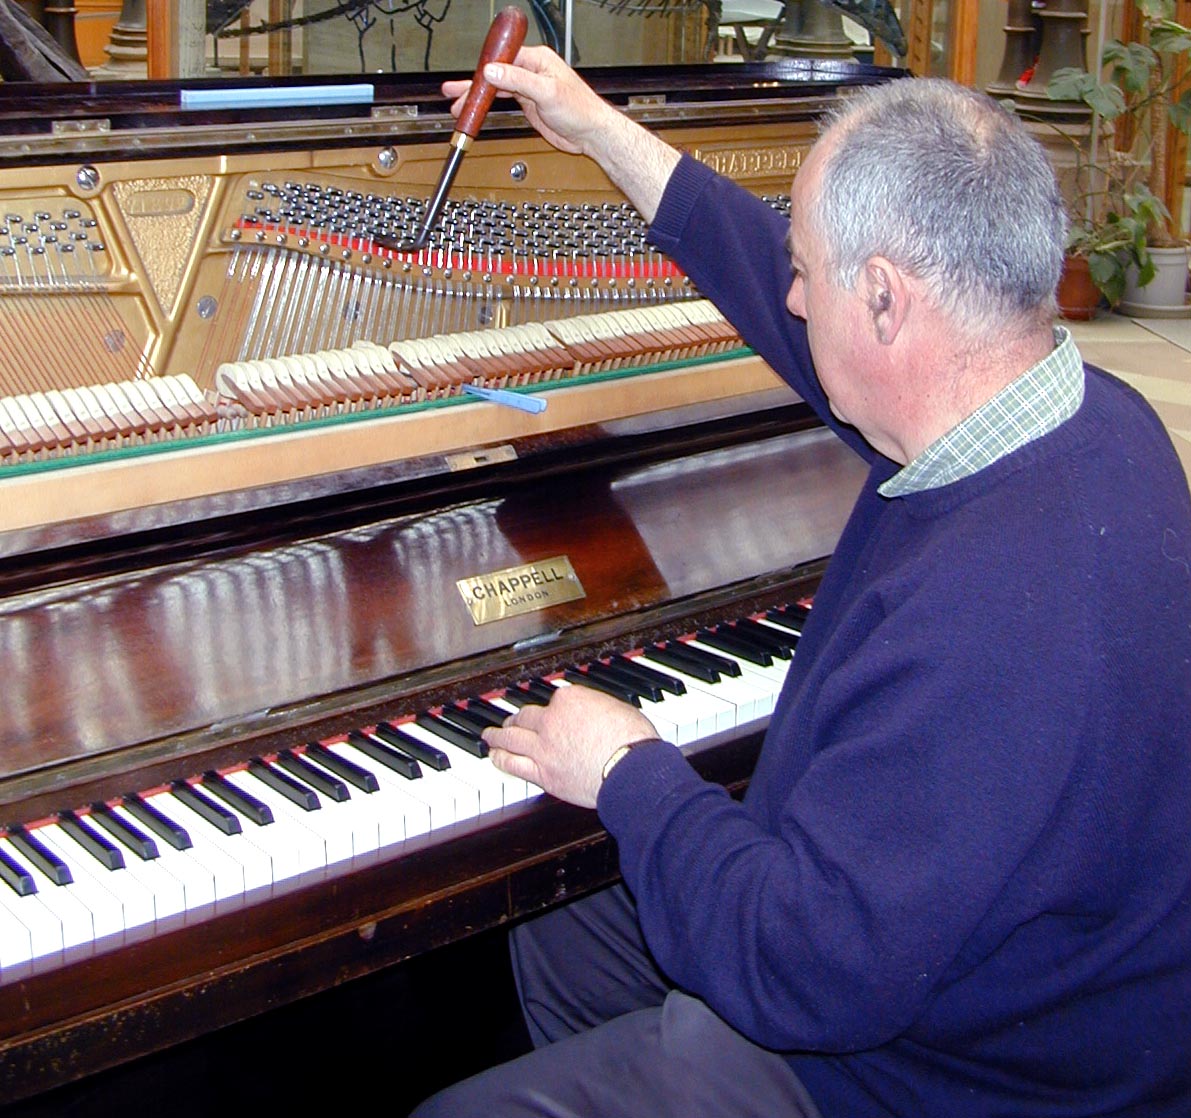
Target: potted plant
point(1121, 225)
point(1110, 236)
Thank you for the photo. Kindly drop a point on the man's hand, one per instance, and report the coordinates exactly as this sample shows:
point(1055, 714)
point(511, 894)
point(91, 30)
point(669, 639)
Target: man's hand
point(563, 747)
point(557, 102)
point(574, 118)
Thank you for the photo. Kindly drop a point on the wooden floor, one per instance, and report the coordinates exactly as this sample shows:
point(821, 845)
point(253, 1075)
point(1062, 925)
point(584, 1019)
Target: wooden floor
point(1153, 355)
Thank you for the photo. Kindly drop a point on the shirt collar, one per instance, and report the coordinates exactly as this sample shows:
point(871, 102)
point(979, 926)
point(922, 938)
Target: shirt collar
point(1026, 409)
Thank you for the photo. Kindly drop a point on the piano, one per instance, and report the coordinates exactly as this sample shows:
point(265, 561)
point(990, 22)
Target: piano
point(268, 563)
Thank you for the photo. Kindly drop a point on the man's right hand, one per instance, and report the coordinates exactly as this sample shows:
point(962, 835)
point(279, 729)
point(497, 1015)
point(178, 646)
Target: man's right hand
point(557, 102)
point(574, 118)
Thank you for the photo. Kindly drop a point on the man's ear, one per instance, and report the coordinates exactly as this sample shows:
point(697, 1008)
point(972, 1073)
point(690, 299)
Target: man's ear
point(884, 290)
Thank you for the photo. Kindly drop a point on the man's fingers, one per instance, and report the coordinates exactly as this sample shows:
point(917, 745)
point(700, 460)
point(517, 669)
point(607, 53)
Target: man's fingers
point(512, 738)
point(515, 764)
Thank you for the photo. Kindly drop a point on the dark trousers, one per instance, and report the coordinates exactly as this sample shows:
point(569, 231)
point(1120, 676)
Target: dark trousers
point(614, 1039)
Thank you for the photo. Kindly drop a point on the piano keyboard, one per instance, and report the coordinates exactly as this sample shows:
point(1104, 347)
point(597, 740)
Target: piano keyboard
point(91, 879)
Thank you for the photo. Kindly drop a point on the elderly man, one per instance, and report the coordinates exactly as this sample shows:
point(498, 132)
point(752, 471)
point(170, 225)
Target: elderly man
point(960, 882)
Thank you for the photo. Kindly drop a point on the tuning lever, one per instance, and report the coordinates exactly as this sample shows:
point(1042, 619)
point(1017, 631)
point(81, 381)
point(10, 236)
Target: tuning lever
point(504, 39)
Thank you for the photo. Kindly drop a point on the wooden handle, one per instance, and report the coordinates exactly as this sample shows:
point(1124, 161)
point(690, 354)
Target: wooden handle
point(504, 40)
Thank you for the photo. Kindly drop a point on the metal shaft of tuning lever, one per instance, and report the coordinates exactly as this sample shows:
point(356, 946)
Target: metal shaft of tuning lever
point(504, 39)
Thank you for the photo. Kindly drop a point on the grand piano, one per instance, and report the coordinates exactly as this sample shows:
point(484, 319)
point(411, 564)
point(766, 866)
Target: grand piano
point(265, 556)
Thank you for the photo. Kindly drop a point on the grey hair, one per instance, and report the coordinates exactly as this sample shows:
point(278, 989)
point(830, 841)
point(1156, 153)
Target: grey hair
point(951, 187)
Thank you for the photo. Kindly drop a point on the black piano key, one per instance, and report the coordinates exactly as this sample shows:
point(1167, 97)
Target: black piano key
point(673, 658)
point(419, 750)
point(519, 697)
point(216, 814)
point(618, 678)
point(736, 645)
point(237, 799)
point(780, 645)
point(122, 831)
point(103, 850)
point(330, 786)
point(492, 714)
point(283, 784)
point(651, 675)
point(355, 775)
point(725, 665)
point(387, 755)
point(160, 824)
point(465, 720)
point(539, 690)
point(583, 679)
point(16, 877)
point(44, 859)
point(456, 735)
point(793, 615)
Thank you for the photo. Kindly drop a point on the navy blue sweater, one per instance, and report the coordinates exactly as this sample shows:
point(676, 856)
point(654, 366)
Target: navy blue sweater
point(960, 882)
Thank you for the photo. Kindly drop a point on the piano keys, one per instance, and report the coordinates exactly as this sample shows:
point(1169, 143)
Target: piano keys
point(92, 879)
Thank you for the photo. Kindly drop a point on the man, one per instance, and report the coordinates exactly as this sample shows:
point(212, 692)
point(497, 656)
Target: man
point(960, 882)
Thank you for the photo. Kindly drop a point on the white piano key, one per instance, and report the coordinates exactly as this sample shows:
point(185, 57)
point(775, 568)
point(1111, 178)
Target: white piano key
point(451, 798)
point(768, 678)
point(740, 699)
point(365, 815)
point(310, 847)
point(107, 908)
point(333, 842)
point(423, 812)
point(16, 938)
point(709, 713)
point(166, 888)
point(398, 817)
point(128, 887)
point(227, 874)
point(470, 771)
point(44, 927)
point(482, 773)
point(74, 920)
point(192, 874)
point(285, 852)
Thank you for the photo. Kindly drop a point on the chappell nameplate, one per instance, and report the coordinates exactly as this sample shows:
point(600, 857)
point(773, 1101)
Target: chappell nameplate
point(520, 589)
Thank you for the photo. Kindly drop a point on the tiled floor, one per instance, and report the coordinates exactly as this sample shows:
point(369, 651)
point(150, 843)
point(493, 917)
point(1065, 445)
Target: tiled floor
point(1153, 355)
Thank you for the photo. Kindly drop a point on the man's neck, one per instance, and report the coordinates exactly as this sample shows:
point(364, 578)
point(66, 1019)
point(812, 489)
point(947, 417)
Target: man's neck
point(970, 376)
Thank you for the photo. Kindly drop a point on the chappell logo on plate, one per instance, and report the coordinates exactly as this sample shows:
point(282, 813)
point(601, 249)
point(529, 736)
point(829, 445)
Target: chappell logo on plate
point(522, 589)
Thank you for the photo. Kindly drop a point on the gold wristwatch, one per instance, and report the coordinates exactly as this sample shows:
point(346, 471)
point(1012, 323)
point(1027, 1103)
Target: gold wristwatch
point(614, 759)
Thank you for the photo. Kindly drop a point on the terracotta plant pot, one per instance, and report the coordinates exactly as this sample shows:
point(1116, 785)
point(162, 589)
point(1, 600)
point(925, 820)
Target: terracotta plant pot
point(1079, 298)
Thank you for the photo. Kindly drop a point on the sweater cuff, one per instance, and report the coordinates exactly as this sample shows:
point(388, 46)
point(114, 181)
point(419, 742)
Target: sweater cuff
point(651, 773)
point(679, 199)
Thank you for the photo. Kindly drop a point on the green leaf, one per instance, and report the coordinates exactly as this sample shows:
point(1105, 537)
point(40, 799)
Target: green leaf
point(1180, 113)
point(1156, 9)
point(1108, 274)
point(1170, 38)
point(1131, 65)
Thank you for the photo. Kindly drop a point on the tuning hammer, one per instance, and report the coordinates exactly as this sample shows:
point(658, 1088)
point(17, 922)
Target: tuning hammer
point(504, 39)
